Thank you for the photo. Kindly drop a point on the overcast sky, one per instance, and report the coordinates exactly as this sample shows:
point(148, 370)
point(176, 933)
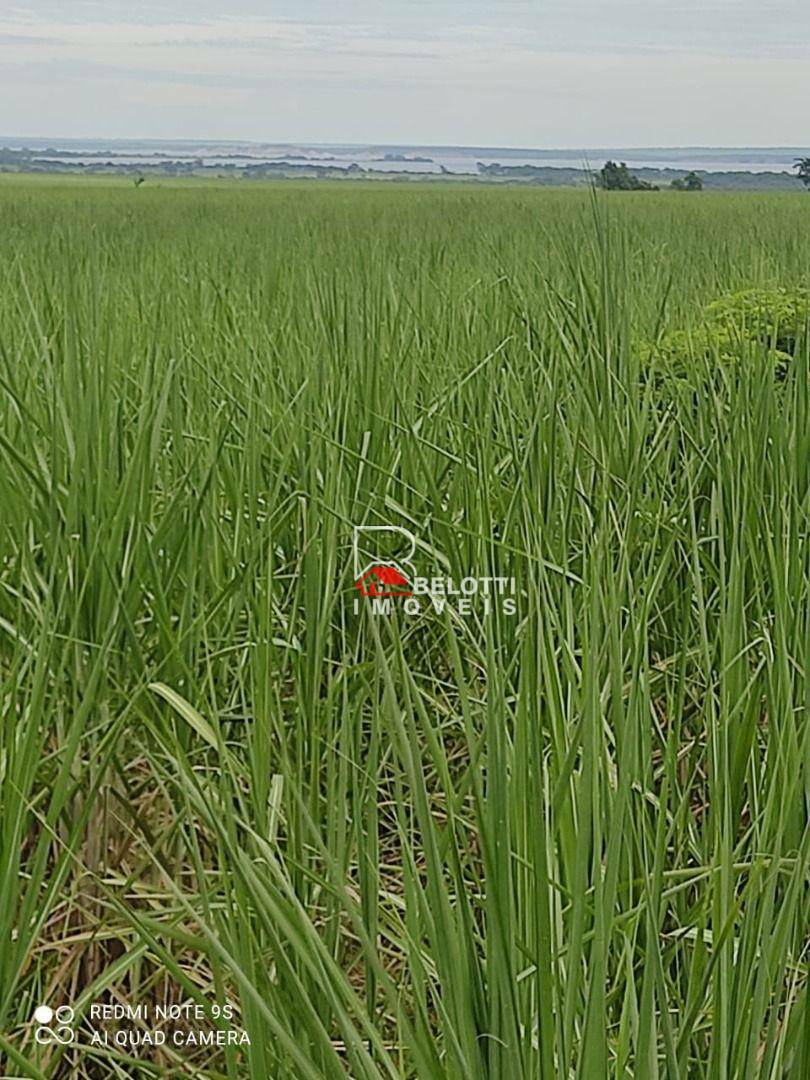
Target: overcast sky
point(570, 73)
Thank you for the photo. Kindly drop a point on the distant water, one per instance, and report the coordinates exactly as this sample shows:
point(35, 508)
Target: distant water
point(462, 160)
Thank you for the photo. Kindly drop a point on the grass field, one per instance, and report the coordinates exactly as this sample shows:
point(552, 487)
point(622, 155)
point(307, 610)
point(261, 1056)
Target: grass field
point(569, 843)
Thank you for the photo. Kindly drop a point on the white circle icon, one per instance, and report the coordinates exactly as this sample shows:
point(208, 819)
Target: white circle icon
point(44, 1015)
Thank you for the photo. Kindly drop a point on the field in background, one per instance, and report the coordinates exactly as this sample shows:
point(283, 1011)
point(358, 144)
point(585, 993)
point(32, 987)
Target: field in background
point(569, 843)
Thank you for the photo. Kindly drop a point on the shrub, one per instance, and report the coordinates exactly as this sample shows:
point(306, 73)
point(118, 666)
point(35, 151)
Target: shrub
point(773, 317)
point(690, 182)
point(740, 326)
point(681, 352)
point(613, 177)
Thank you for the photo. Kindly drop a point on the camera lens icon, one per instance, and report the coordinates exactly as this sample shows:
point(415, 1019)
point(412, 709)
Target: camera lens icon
point(54, 1025)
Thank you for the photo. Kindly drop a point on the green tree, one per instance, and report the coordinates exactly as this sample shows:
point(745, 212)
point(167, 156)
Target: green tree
point(802, 168)
point(690, 182)
point(613, 177)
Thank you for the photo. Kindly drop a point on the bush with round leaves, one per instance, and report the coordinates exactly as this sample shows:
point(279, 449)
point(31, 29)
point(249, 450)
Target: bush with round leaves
point(751, 325)
point(776, 318)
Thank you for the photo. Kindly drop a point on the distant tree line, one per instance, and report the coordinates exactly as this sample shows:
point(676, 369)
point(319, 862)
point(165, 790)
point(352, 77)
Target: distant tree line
point(612, 176)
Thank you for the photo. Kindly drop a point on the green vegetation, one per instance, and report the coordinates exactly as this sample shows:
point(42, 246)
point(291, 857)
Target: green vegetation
point(690, 182)
point(569, 843)
point(613, 177)
point(242, 166)
point(802, 168)
point(742, 327)
point(770, 317)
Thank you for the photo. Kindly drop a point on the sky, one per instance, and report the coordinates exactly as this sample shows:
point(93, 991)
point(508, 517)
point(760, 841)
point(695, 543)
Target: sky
point(523, 73)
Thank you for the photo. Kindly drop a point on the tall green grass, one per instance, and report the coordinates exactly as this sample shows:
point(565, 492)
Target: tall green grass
point(573, 843)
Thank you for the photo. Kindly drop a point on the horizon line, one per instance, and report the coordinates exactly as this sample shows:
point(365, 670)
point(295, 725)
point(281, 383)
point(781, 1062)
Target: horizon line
point(400, 145)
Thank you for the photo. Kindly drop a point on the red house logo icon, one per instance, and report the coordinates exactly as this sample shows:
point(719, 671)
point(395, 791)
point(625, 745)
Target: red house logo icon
point(379, 581)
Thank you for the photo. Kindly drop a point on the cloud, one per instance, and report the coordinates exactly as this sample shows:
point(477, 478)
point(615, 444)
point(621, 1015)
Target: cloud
point(729, 27)
point(517, 72)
